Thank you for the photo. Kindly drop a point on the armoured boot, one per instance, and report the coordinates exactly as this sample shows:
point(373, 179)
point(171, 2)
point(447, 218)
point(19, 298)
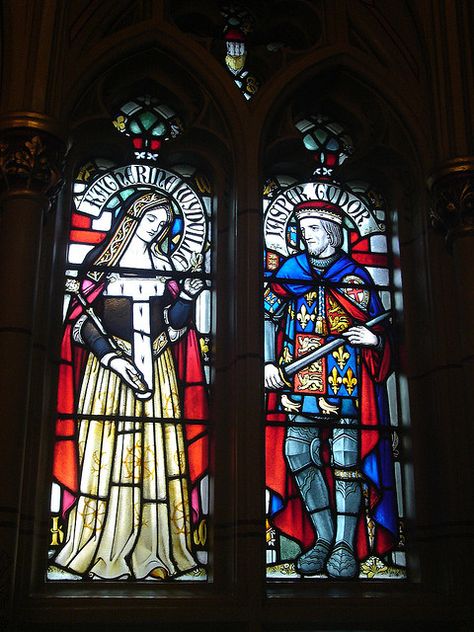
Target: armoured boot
point(303, 456)
point(342, 562)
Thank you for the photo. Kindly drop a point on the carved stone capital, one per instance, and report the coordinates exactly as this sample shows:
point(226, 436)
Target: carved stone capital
point(32, 152)
point(452, 199)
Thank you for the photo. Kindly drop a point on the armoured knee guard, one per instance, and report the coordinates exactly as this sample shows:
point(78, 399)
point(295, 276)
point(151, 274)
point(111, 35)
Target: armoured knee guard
point(345, 451)
point(303, 456)
point(345, 446)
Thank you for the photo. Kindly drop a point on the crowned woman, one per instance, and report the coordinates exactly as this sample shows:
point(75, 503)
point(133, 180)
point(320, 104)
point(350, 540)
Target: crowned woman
point(122, 457)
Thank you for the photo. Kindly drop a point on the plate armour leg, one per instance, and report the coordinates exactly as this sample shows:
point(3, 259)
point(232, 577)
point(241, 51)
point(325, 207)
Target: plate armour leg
point(302, 451)
point(342, 562)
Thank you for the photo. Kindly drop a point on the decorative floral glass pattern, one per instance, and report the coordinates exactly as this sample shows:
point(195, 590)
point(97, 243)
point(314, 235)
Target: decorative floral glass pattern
point(148, 123)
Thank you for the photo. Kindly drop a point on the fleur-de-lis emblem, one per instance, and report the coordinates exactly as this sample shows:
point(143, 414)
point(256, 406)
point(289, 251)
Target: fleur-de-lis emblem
point(335, 380)
point(350, 381)
point(304, 317)
point(311, 297)
point(341, 356)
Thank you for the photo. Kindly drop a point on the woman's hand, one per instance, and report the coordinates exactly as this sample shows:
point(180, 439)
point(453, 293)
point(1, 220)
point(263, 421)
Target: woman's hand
point(192, 287)
point(360, 336)
point(130, 375)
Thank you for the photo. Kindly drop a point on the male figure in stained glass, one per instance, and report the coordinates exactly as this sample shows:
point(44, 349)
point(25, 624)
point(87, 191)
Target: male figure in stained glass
point(335, 442)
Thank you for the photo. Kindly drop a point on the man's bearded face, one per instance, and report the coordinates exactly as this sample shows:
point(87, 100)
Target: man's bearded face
point(314, 236)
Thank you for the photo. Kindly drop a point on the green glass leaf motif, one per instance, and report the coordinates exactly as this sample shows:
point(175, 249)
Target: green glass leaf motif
point(309, 143)
point(135, 128)
point(159, 130)
point(321, 135)
point(147, 119)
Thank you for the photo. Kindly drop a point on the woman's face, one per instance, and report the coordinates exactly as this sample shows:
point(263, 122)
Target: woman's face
point(152, 224)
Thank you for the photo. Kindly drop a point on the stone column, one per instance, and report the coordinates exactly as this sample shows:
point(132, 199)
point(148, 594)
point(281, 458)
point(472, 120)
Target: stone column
point(452, 213)
point(446, 528)
point(31, 154)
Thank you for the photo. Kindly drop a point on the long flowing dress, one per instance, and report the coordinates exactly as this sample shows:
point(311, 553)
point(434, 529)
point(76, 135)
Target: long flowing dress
point(132, 512)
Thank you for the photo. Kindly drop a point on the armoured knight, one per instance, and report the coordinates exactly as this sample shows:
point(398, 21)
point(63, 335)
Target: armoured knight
point(335, 407)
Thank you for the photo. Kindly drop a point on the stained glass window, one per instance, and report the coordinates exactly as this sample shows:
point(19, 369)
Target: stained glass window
point(149, 123)
point(239, 23)
point(130, 491)
point(334, 492)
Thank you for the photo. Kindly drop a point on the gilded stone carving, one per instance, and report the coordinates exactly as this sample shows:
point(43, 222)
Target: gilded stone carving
point(452, 206)
point(31, 156)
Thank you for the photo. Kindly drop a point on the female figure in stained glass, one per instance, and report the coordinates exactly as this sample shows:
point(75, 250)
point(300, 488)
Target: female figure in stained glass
point(124, 458)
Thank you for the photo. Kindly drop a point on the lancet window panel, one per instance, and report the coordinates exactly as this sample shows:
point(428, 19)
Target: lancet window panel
point(334, 461)
point(130, 490)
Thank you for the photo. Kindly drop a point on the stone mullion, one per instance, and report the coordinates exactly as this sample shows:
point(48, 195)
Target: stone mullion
point(462, 517)
point(30, 163)
point(452, 213)
point(448, 535)
point(248, 376)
